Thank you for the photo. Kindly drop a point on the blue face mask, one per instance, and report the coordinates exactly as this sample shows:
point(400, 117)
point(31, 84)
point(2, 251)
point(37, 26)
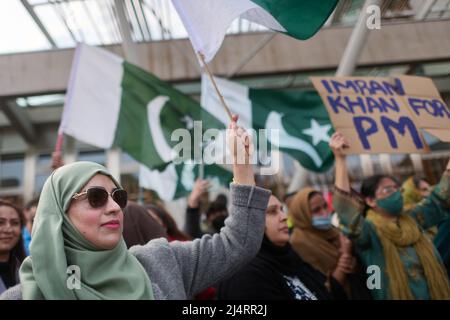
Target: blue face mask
point(322, 223)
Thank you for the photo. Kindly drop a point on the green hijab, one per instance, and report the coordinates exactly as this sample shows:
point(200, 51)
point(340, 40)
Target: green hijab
point(57, 245)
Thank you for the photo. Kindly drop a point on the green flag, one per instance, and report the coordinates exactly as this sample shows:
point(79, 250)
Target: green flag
point(301, 119)
point(111, 102)
point(300, 18)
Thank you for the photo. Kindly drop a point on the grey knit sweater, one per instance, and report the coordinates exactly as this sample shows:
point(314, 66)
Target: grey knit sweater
point(179, 270)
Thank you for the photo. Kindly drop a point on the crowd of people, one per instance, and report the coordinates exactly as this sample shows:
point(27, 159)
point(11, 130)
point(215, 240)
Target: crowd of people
point(244, 249)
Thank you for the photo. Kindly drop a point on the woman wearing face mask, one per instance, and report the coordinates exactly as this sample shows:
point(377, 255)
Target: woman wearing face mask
point(277, 272)
point(385, 237)
point(78, 251)
point(321, 244)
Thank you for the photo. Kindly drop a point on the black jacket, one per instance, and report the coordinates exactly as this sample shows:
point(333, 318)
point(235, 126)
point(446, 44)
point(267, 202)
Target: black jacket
point(273, 274)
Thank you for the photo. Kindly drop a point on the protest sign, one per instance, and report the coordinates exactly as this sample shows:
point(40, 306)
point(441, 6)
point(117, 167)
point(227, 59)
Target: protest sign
point(385, 115)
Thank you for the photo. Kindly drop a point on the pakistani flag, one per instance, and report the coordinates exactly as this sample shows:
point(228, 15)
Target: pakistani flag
point(207, 21)
point(300, 117)
point(112, 103)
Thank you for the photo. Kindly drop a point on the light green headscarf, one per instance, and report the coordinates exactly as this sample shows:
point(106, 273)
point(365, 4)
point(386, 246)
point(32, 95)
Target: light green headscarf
point(57, 244)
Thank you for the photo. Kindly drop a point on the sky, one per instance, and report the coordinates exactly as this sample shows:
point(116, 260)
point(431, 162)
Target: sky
point(19, 33)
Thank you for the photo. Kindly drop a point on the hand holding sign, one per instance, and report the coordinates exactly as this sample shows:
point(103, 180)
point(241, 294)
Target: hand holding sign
point(338, 144)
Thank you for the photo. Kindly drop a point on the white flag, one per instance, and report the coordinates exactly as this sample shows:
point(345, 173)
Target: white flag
point(207, 33)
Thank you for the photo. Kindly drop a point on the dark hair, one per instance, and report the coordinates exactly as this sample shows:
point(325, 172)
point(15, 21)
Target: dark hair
point(215, 207)
point(288, 195)
point(417, 179)
point(312, 194)
point(370, 185)
point(18, 252)
point(169, 222)
point(221, 198)
point(32, 203)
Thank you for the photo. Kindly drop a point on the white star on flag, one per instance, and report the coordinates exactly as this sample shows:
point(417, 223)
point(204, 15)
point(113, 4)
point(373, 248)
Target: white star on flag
point(317, 132)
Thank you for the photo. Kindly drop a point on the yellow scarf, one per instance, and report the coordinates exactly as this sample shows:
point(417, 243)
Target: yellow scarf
point(405, 233)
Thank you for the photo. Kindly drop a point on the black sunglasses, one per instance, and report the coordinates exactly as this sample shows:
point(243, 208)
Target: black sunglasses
point(98, 196)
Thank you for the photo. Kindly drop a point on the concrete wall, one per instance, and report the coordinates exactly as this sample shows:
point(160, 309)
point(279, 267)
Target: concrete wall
point(44, 72)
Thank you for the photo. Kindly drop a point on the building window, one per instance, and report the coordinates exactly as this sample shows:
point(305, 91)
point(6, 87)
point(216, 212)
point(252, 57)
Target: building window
point(11, 171)
point(43, 171)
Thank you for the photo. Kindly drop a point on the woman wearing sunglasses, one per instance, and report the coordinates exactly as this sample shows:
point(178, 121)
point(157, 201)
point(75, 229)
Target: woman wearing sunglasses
point(387, 237)
point(78, 251)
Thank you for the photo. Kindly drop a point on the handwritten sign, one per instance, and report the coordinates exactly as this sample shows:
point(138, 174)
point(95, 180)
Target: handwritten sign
point(385, 115)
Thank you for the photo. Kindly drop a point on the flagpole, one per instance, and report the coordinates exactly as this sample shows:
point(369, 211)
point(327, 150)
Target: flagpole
point(59, 142)
point(56, 155)
point(222, 100)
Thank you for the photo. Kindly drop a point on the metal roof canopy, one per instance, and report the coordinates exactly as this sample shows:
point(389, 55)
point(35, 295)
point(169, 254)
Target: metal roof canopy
point(62, 23)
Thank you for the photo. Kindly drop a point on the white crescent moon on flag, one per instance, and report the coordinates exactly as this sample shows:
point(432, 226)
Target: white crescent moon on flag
point(290, 142)
point(154, 108)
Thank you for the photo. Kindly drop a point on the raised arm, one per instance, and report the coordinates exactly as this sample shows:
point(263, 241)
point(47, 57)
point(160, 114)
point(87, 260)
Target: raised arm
point(206, 261)
point(337, 144)
point(347, 204)
point(192, 226)
point(211, 259)
point(436, 207)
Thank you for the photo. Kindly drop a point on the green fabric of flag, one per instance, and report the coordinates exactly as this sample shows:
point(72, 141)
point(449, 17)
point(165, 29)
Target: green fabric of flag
point(299, 117)
point(301, 18)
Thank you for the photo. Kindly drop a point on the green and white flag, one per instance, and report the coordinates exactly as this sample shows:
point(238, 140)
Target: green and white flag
point(300, 117)
point(207, 21)
point(111, 102)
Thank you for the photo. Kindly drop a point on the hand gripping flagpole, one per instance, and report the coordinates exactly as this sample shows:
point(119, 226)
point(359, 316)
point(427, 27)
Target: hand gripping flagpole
point(222, 100)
